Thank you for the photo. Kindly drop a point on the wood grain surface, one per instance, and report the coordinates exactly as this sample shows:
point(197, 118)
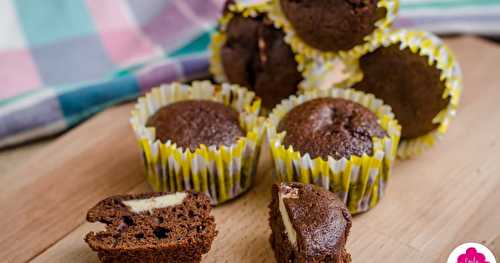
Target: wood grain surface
point(445, 197)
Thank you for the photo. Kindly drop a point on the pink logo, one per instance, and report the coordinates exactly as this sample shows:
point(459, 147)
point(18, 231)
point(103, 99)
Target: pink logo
point(472, 256)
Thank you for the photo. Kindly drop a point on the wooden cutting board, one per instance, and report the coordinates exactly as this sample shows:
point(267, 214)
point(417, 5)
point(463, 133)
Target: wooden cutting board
point(445, 197)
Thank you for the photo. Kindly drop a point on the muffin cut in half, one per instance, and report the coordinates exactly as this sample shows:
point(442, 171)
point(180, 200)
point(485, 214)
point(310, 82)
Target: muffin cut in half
point(309, 224)
point(152, 227)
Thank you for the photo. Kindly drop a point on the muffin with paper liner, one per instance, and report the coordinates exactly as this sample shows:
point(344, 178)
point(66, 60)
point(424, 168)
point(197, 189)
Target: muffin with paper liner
point(331, 28)
point(418, 76)
point(249, 50)
point(340, 139)
point(200, 137)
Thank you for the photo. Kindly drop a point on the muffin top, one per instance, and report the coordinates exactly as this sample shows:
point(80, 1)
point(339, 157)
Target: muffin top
point(407, 83)
point(191, 123)
point(332, 25)
point(319, 229)
point(256, 56)
point(331, 127)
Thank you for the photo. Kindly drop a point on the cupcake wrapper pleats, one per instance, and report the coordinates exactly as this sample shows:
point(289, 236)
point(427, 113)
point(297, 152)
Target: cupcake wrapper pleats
point(359, 181)
point(220, 172)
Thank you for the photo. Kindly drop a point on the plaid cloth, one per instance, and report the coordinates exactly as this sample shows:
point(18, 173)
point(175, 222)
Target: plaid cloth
point(451, 16)
point(62, 61)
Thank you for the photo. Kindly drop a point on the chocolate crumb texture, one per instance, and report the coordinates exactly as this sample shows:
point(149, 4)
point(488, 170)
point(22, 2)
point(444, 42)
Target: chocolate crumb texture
point(152, 227)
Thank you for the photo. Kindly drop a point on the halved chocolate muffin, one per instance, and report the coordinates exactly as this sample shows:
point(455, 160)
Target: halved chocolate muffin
point(153, 227)
point(408, 83)
point(334, 127)
point(333, 25)
point(256, 56)
point(191, 123)
point(309, 224)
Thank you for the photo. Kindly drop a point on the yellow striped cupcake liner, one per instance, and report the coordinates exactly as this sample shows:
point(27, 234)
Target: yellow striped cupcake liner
point(440, 56)
point(359, 181)
point(222, 172)
point(314, 71)
point(300, 47)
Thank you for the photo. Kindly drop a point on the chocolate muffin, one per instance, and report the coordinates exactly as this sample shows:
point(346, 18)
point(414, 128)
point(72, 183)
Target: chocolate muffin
point(332, 25)
point(334, 127)
point(256, 56)
point(407, 83)
point(152, 227)
point(309, 224)
point(191, 123)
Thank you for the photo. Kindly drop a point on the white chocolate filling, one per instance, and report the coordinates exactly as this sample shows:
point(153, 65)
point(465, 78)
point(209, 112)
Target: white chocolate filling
point(290, 231)
point(97, 227)
point(141, 205)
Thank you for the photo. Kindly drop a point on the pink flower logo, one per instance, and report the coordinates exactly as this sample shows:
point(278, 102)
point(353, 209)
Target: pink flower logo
point(472, 256)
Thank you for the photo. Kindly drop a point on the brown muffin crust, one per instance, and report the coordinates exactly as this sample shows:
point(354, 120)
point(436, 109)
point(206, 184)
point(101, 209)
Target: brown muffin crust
point(331, 127)
point(332, 25)
point(407, 83)
point(320, 219)
point(191, 123)
point(256, 56)
point(179, 233)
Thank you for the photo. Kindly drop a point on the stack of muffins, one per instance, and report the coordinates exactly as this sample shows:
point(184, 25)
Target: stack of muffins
point(398, 91)
point(281, 47)
point(344, 95)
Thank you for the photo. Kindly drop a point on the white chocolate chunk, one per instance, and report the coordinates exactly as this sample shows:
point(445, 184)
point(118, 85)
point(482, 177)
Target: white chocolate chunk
point(141, 205)
point(290, 231)
point(97, 227)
